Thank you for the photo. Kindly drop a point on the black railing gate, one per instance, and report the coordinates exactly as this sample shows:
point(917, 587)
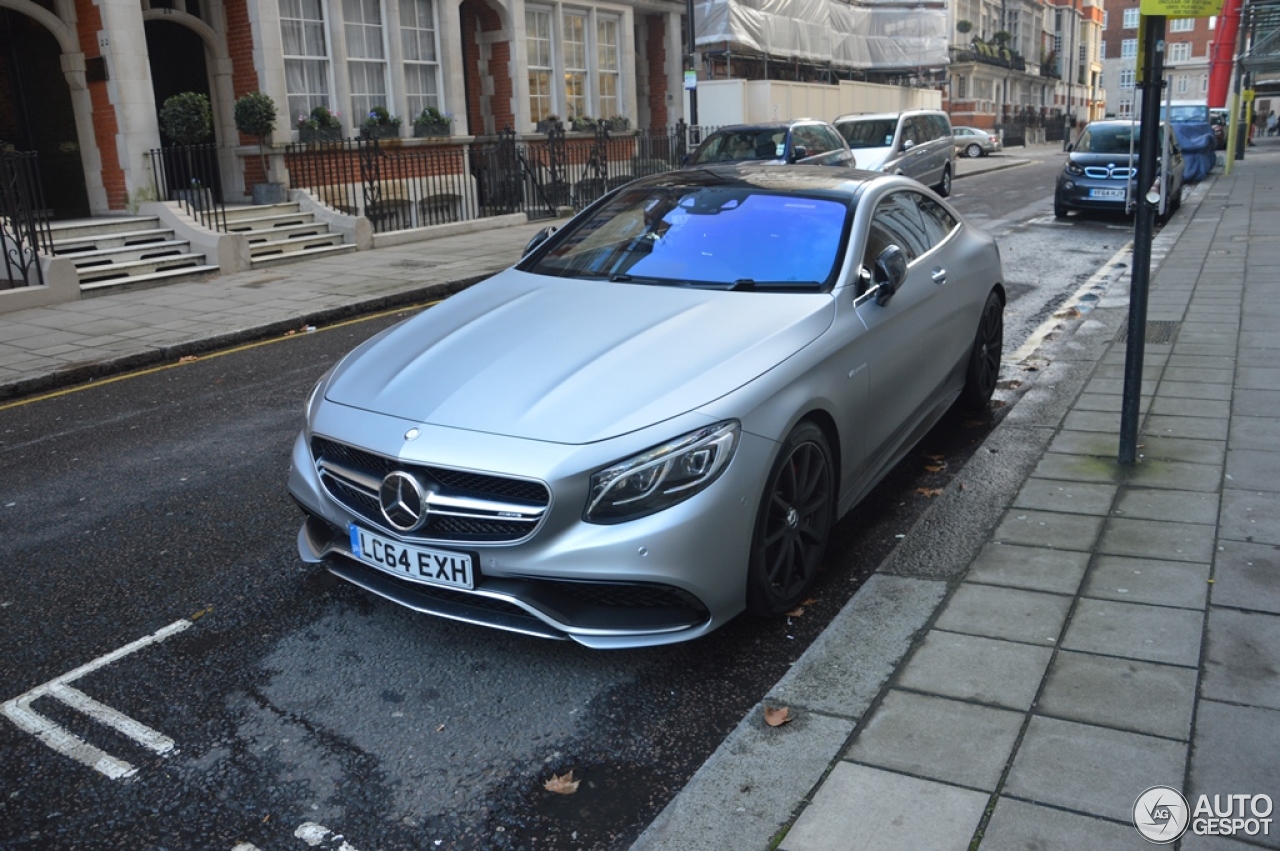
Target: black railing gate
point(24, 220)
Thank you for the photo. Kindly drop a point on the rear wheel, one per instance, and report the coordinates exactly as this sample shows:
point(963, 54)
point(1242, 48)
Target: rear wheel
point(984, 361)
point(973, 151)
point(944, 188)
point(793, 523)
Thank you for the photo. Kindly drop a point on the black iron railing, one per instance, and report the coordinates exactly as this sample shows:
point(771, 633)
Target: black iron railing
point(399, 187)
point(24, 220)
point(189, 174)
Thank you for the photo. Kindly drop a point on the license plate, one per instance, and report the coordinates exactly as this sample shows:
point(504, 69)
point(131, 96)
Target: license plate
point(1117, 194)
point(423, 564)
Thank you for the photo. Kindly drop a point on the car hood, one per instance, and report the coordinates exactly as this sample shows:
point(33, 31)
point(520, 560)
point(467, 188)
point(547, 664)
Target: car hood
point(872, 159)
point(1088, 158)
point(574, 361)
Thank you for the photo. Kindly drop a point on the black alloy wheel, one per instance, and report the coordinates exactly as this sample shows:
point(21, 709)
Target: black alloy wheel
point(793, 524)
point(944, 188)
point(984, 361)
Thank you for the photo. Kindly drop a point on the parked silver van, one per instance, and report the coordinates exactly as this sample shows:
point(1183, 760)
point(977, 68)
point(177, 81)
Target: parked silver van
point(916, 143)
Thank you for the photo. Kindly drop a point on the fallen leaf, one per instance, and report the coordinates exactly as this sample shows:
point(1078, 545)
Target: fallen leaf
point(187, 358)
point(938, 458)
point(810, 601)
point(562, 784)
point(972, 423)
point(796, 612)
point(929, 491)
point(776, 716)
point(440, 729)
point(935, 468)
point(961, 485)
point(290, 333)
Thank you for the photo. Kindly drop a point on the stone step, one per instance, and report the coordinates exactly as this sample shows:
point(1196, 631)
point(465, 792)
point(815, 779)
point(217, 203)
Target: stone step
point(295, 256)
point(285, 232)
point(254, 211)
point(133, 268)
point(81, 244)
point(123, 253)
point(153, 279)
point(295, 245)
point(264, 222)
point(86, 228)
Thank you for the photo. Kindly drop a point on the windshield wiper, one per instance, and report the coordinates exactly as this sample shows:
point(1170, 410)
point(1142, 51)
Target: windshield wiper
point(752, 285)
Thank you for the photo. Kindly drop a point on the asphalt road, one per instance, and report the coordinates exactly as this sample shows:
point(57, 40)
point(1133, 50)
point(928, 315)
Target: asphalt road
point(296, 707)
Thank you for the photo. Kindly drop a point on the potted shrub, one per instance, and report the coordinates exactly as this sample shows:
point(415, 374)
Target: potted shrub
point(380, 124)
point(320, 125)
point(187, 119)
point(582, 124)
point(619, 122)
point(547, 124)
point(432, 122)
point(255, 115)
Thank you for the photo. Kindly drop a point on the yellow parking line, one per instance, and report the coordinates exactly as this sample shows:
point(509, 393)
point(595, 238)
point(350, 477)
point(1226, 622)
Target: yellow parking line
point(53, 394)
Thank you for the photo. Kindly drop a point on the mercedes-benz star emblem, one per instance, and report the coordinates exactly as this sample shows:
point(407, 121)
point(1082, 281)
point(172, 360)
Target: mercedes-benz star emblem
point(403, 501)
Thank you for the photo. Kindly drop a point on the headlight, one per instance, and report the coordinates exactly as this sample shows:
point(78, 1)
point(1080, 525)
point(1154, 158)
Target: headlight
point(663, 476)
point(1072, 168)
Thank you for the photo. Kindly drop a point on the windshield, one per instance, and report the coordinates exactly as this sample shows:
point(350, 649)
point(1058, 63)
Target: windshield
point(747, 144)
point(871, 133)
point(1109, 139)
point(720, 236)
point(1187, 113)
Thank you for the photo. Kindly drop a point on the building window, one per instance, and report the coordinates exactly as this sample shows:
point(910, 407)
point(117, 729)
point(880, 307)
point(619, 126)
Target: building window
point(575, 64)
point(1127, 78)
point(1213, 22)
point(1131, 19)
point(1129, 47)
point(608, 70)
point(1102, 49)
point(418, 32)
point(1204, 84)
point(577, 71)
point(1180, 51)
point(1104, 19)
point(1182, 25)
point(306, 55)
point(962, 86)
point(366, 57)
point(537, 23)
point(1126, 108)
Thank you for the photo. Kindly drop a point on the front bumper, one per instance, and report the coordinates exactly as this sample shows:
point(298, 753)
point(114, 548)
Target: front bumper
point(665, 578)
point(1078, 193)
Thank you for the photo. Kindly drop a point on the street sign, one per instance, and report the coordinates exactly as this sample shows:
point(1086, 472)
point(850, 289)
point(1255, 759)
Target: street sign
point(1181, 8)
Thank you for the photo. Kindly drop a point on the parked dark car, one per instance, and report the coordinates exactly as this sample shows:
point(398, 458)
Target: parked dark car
point(651, 422)
point(803, 140)
point(1101, 172)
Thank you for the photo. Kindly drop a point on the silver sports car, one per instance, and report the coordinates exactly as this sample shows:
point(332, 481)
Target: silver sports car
point(650, 423)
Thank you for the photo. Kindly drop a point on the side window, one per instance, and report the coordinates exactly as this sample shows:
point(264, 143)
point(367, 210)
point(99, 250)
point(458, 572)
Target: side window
point(897, 221)
point(835, 141)
point(808, 136)
point(942, 126)
point(938, 222)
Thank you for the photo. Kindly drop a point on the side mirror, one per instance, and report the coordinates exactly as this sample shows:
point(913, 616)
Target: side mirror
point(798, 153)
point(889, 273)
point(908, 145)
point(538, 238)
point(1071, 146)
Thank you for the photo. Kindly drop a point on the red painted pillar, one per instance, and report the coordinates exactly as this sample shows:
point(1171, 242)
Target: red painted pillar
point(1222, 54)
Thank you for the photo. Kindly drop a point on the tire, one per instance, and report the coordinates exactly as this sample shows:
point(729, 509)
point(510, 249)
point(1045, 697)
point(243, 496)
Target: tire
point(973, 151)
point(793, 524)
point(983, 371)
point(1059, 209)
point(944, 188)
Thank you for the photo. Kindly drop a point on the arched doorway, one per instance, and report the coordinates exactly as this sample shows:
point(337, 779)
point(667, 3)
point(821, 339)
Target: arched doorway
point(36, 112)
point(177, 60)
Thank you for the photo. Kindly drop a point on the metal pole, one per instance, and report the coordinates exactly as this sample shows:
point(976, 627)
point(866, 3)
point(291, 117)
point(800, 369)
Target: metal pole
point(693, 66)
point(1143, 232)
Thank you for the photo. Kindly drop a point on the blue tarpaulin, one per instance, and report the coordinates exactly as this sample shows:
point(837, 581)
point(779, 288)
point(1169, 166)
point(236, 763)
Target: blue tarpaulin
point(1199, 149)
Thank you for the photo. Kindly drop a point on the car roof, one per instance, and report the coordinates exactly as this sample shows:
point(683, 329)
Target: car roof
point(764, 125)
point(879, 115)
point(794, 178)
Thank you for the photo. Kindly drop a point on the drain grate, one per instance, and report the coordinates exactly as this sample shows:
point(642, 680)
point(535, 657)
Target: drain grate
point(1158, 331)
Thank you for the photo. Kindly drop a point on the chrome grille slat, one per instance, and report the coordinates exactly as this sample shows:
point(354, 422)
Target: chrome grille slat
point(465, 506)
point(1107, 173)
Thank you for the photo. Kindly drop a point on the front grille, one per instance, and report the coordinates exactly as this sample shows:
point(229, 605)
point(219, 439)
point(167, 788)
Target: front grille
point(1109, 173)
point(352, 476)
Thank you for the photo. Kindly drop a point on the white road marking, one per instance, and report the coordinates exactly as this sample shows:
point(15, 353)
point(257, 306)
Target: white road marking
point(19, 711)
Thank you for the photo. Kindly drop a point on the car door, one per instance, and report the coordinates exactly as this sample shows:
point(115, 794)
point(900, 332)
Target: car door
point(914, 335)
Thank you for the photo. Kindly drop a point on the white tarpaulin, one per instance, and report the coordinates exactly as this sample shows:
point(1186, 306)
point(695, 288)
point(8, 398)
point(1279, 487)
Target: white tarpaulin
point(876, 34)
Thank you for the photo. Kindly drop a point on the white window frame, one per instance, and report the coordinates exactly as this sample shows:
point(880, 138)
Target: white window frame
point(317, 68)
point(1128, 78)
point(608, 73)
point(1179, 51)
point(1128, 48)
point(1131, 17)
point(417, 68)
point(374, 68)
point(1182, 25)
point(576, 56)
point(541, 68)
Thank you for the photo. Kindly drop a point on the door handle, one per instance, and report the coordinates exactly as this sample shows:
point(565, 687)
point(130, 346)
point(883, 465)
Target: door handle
point(939, 275)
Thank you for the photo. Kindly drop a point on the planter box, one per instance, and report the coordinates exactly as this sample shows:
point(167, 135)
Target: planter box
point(380, 131)
point(619, 124)
point(319, 134)
point(547, 126)
point(440, 129)
point(269, 193)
